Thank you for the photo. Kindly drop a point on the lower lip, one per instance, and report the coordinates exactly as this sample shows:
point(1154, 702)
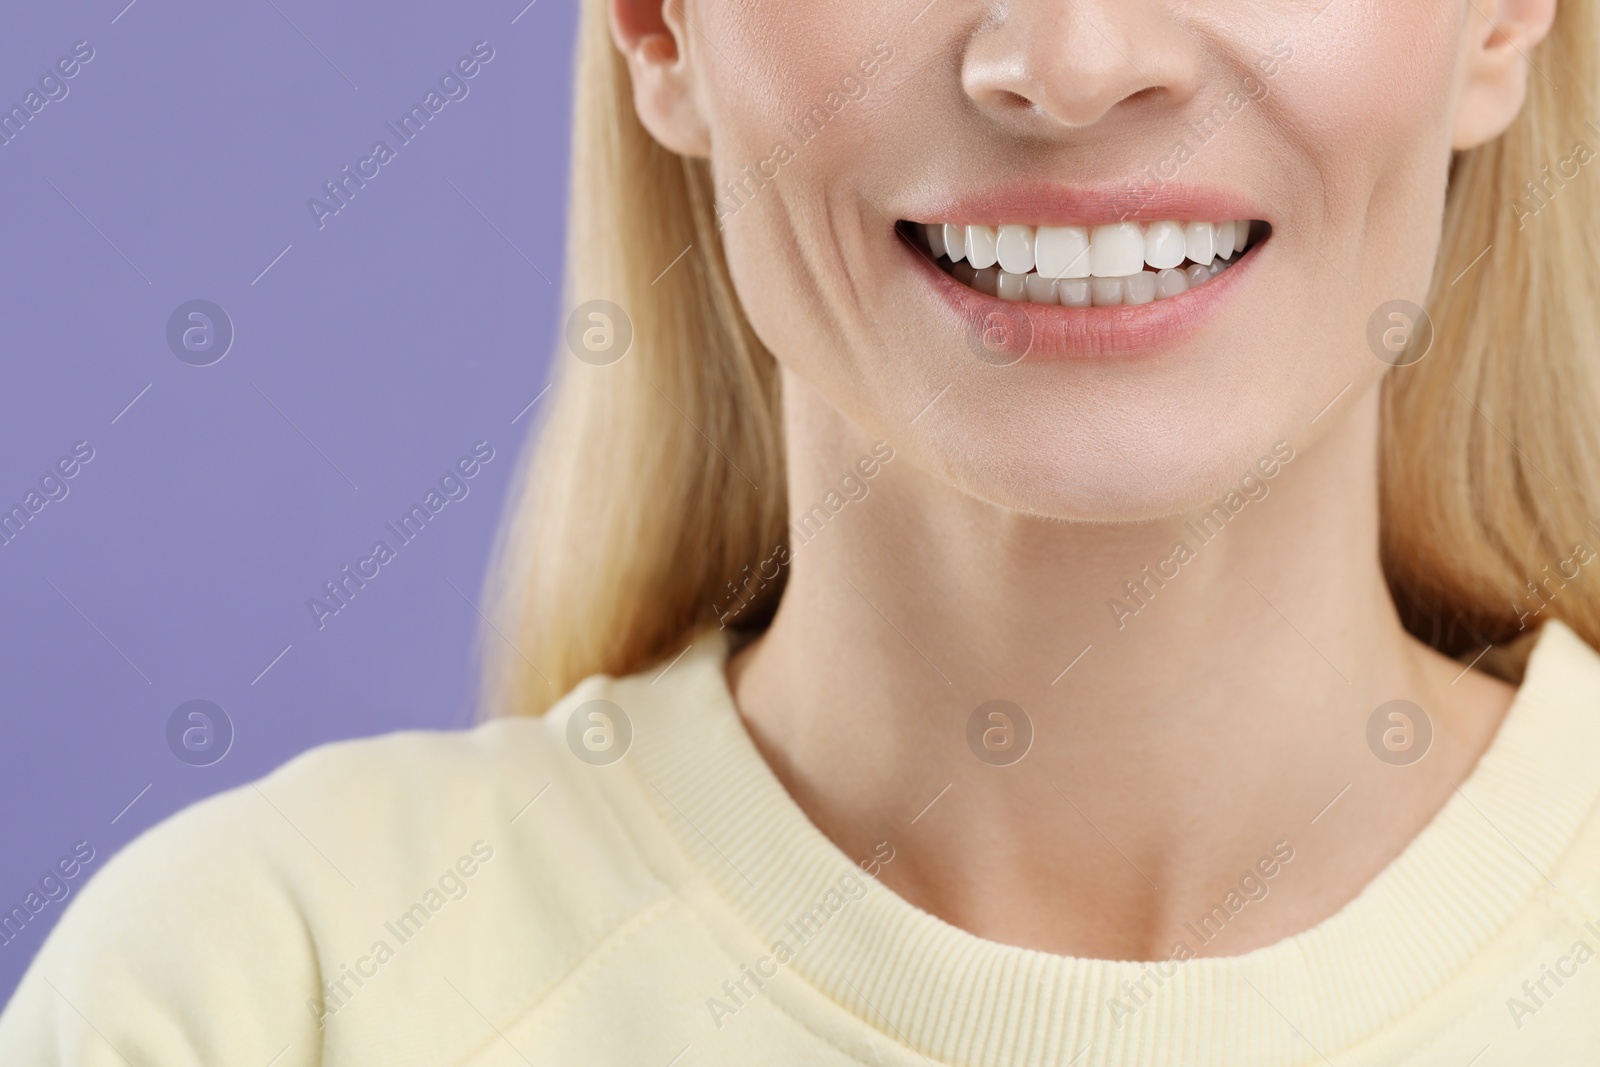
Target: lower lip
point(1014, 329)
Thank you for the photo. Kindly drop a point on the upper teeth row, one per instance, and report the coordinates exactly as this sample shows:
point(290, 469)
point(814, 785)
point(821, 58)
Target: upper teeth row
point(1116, 250)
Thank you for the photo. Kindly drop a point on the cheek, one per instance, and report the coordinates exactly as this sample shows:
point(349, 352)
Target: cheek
point(1363, 113)
point(801, 95)
point(1358, 121)
point(777, 73)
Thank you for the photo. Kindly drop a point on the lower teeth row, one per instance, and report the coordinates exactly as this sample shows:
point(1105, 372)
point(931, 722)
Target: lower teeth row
point(1140, 288)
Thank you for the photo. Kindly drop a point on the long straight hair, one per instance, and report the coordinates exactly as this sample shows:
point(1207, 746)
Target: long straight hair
point(655, 479)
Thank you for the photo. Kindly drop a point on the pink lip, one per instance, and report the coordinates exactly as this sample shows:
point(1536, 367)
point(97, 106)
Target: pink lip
point(1049, 204)
point(1013, 330)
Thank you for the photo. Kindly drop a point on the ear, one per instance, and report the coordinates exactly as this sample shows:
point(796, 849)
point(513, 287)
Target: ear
point(652, 36)
point(1501, 36)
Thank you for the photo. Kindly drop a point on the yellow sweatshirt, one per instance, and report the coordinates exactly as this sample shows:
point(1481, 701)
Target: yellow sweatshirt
point(625, 882)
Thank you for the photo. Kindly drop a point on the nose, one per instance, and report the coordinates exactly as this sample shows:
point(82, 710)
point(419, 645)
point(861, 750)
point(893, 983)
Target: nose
point(1050, 66)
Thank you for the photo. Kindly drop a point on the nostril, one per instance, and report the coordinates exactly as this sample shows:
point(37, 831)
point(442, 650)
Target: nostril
point(1002, 101)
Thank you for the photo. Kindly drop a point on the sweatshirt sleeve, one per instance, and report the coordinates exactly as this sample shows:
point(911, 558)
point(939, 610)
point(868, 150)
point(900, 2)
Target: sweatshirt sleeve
point(187, 948)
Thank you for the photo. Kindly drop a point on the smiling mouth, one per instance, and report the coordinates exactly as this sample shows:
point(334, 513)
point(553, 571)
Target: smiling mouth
point(1123, 263)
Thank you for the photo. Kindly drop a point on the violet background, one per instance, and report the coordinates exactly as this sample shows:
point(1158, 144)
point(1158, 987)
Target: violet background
point(418, 321)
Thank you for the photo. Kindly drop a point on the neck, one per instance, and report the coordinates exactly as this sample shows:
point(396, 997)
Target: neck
point(1197, 690)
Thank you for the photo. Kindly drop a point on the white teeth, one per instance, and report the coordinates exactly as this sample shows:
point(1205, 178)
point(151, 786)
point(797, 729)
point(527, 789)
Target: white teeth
point(1080, 267)
point(1075, 292)
point(1106, 292)
point(1012, 286)
point(1201, 239)
point(1171, 283)
point(1015, 248)
point(1139, 288)
point(1165, 245)
point(1225, 239)
point(1041, 290)
point(1116, 251)
point(955, 242)
point(1062, 251)
point(982, 246)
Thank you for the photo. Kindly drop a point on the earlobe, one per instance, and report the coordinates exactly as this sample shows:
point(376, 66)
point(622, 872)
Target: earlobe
point(652, 36)
point(1497, 64)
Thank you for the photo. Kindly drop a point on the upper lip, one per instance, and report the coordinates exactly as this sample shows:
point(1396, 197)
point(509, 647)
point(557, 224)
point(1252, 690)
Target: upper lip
point(1052, 204)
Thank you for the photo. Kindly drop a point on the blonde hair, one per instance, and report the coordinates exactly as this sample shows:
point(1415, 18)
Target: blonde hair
point(657, 478)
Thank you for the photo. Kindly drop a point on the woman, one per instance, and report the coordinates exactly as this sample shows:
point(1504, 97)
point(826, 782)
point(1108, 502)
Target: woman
point(1011, 576)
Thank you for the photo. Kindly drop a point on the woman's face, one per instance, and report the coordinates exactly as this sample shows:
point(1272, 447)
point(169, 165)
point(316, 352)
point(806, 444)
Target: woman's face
point(1111, 149)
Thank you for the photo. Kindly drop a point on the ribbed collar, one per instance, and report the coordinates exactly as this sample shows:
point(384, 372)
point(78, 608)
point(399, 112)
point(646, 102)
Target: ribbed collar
point(963, 1000)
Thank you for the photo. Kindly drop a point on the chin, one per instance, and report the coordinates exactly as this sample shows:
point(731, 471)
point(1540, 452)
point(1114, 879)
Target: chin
point(1118, 451)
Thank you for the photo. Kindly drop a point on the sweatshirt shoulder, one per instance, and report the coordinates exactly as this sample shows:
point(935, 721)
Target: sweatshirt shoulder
point(420, 779)
point(242, 924)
